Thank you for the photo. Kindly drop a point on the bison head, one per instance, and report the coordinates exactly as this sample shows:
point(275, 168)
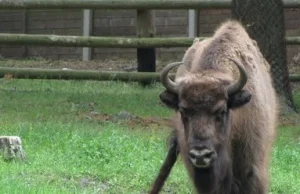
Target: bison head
point(204, 103)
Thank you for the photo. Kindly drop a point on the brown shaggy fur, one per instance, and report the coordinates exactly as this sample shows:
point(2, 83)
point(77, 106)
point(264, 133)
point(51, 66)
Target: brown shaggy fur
point(247, 148)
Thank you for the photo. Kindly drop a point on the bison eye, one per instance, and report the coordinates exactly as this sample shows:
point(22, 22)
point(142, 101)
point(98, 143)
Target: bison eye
point(221, 113)
point(183, 111)
point(186, 111)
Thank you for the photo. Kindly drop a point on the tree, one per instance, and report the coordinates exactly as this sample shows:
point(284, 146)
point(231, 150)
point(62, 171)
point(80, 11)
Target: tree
point(264, 21)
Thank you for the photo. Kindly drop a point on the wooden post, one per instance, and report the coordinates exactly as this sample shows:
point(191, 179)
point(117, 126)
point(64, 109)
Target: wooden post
point(193, 23)
point(11, 148)
point(87, 28)
point(146, 28)
point(25, 31)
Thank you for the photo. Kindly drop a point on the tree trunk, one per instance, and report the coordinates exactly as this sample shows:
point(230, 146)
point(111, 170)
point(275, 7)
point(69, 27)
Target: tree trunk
point(11, 148)
point(264, 21)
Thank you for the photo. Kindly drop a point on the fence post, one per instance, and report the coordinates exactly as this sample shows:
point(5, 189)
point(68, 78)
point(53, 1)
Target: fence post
point(87, 28)
point(25, 31)
point(146, 57)
point(193, 23)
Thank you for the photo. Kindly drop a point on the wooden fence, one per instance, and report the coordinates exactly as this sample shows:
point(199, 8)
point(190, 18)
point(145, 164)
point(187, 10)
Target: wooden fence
point(124, 4)
point(104, 42)
point(116, 42)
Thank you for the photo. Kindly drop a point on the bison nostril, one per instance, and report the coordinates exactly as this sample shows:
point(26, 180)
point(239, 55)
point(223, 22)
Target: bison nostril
point(192, 155)
point(208, 154)
point(205, 153)
point(202, 158)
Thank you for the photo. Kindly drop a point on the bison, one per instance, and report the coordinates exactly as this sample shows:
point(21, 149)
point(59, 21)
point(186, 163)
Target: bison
point(225, 112)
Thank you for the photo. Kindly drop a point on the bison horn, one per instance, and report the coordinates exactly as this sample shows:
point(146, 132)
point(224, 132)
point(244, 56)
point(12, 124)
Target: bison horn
point(237, 86)
point(166, 81)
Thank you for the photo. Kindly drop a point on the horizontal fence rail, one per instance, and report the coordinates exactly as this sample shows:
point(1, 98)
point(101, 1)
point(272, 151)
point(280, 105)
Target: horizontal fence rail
point(37, 73)
point(123, 4)
point(90, 41)
point(294, 77)
point(112, 4)
point(104, 42)
point(293, 40)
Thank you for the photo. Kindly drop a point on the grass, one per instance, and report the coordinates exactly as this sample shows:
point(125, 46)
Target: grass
point(69, 151)
point(285, 171)
point(74, 158)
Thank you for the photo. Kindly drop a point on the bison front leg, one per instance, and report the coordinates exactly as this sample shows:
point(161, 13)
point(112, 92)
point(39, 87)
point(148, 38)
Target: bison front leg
point(166, 167)
point(251, 169)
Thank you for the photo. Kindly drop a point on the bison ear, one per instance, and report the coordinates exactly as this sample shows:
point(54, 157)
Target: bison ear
point(239, 99)
point(169, 99)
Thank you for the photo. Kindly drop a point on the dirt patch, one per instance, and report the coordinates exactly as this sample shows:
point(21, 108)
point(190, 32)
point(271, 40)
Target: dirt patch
point(86, 182)
point(125, 118)
point(289, 120)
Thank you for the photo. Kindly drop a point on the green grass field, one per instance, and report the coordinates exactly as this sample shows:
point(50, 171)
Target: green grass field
point(77, 142)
